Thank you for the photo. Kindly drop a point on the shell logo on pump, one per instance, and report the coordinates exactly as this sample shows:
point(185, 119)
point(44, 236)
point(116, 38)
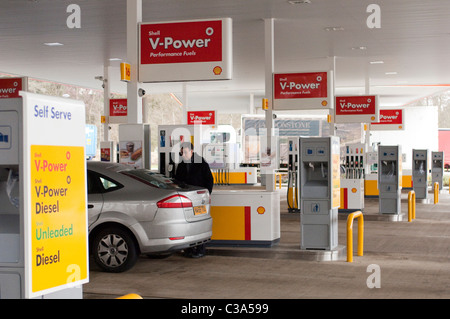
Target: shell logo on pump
point(217, 70)
point(261, 210)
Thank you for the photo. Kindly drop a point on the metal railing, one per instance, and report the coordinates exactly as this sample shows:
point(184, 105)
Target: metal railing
point(411, 206)
point(350, 218)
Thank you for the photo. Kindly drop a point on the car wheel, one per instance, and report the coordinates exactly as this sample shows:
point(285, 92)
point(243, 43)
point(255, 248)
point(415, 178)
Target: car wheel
point(114, 250)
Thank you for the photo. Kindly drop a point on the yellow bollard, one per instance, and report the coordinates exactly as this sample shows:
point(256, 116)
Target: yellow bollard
point(350, 218)
point(411, 206)
point(436, 192)
point(279, 175)
point(130, 296)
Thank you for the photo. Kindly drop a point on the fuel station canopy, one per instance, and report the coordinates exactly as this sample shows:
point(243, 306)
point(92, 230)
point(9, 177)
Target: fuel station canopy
point(399, 47)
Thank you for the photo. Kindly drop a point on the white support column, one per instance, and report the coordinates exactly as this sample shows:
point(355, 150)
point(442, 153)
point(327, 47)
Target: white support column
point(269, 69)
point(185, 101)
point(367, 82)
point(367, 92)
point(106, 95)
point(251, 106)
point(134, 16)
point(332, 111)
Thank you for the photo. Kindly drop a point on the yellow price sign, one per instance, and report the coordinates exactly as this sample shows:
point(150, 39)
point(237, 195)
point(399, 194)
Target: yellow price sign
point(58, 216)
point(125, 72)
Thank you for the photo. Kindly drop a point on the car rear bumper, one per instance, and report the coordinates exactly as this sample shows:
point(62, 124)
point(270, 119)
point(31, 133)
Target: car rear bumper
point(162, 245)
point(173, 236)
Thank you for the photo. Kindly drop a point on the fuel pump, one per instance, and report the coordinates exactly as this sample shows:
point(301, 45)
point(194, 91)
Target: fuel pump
point(354, 161)
point(170, 139)
point(420, 173)
point(352, 181)
point(222, 159)
point(292, 192)
point(371, 172)
point(437, 168)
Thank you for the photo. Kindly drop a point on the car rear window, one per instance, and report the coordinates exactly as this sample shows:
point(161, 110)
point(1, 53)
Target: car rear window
point(152, 179)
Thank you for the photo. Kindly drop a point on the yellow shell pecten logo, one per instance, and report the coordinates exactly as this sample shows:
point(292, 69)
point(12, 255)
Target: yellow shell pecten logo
point(217, 70)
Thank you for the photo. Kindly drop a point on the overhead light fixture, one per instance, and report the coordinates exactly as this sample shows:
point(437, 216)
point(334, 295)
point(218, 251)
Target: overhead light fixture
point(299, 1)
point(53, 44)
point(376, 62)
point(334, 29)
point(359, 48)
point(391, 73)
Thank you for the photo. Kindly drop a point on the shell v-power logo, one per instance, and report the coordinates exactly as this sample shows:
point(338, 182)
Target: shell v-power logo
point(182, 42)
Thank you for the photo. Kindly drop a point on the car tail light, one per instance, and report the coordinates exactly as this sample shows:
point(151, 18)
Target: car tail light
point(174, 201)
point(176, 238)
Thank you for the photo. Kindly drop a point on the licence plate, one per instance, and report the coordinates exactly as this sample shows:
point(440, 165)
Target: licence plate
point(198, 210)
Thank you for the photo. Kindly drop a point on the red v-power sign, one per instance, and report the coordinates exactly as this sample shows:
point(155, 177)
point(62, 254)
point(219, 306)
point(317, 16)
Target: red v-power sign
point(185, 51)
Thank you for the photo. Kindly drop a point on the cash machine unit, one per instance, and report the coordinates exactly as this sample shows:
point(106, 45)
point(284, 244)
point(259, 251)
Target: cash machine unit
point(389, 179)
point(437, 168)
point(319, 176)
point(420, 173)
point(12, 266)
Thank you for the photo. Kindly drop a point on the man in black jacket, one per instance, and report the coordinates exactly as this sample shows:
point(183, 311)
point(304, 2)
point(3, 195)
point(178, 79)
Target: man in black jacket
point(194, 170)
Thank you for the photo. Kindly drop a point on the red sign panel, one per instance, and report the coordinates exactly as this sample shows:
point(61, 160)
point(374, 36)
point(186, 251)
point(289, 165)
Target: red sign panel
point(201, 117)
point(300, 85)
point(394, 117)
point(10, 87)
point(181, 42)
point(444, 144)
point(105, 154)
point(355, 105)
point(118, 107)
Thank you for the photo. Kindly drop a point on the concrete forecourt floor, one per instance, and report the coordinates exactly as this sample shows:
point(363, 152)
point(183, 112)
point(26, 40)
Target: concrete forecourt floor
point(402, 260)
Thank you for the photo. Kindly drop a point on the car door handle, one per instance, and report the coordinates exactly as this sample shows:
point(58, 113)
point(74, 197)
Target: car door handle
point(90, 206)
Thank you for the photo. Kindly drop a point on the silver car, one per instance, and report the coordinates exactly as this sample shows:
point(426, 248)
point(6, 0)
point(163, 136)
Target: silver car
point(136, 211)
